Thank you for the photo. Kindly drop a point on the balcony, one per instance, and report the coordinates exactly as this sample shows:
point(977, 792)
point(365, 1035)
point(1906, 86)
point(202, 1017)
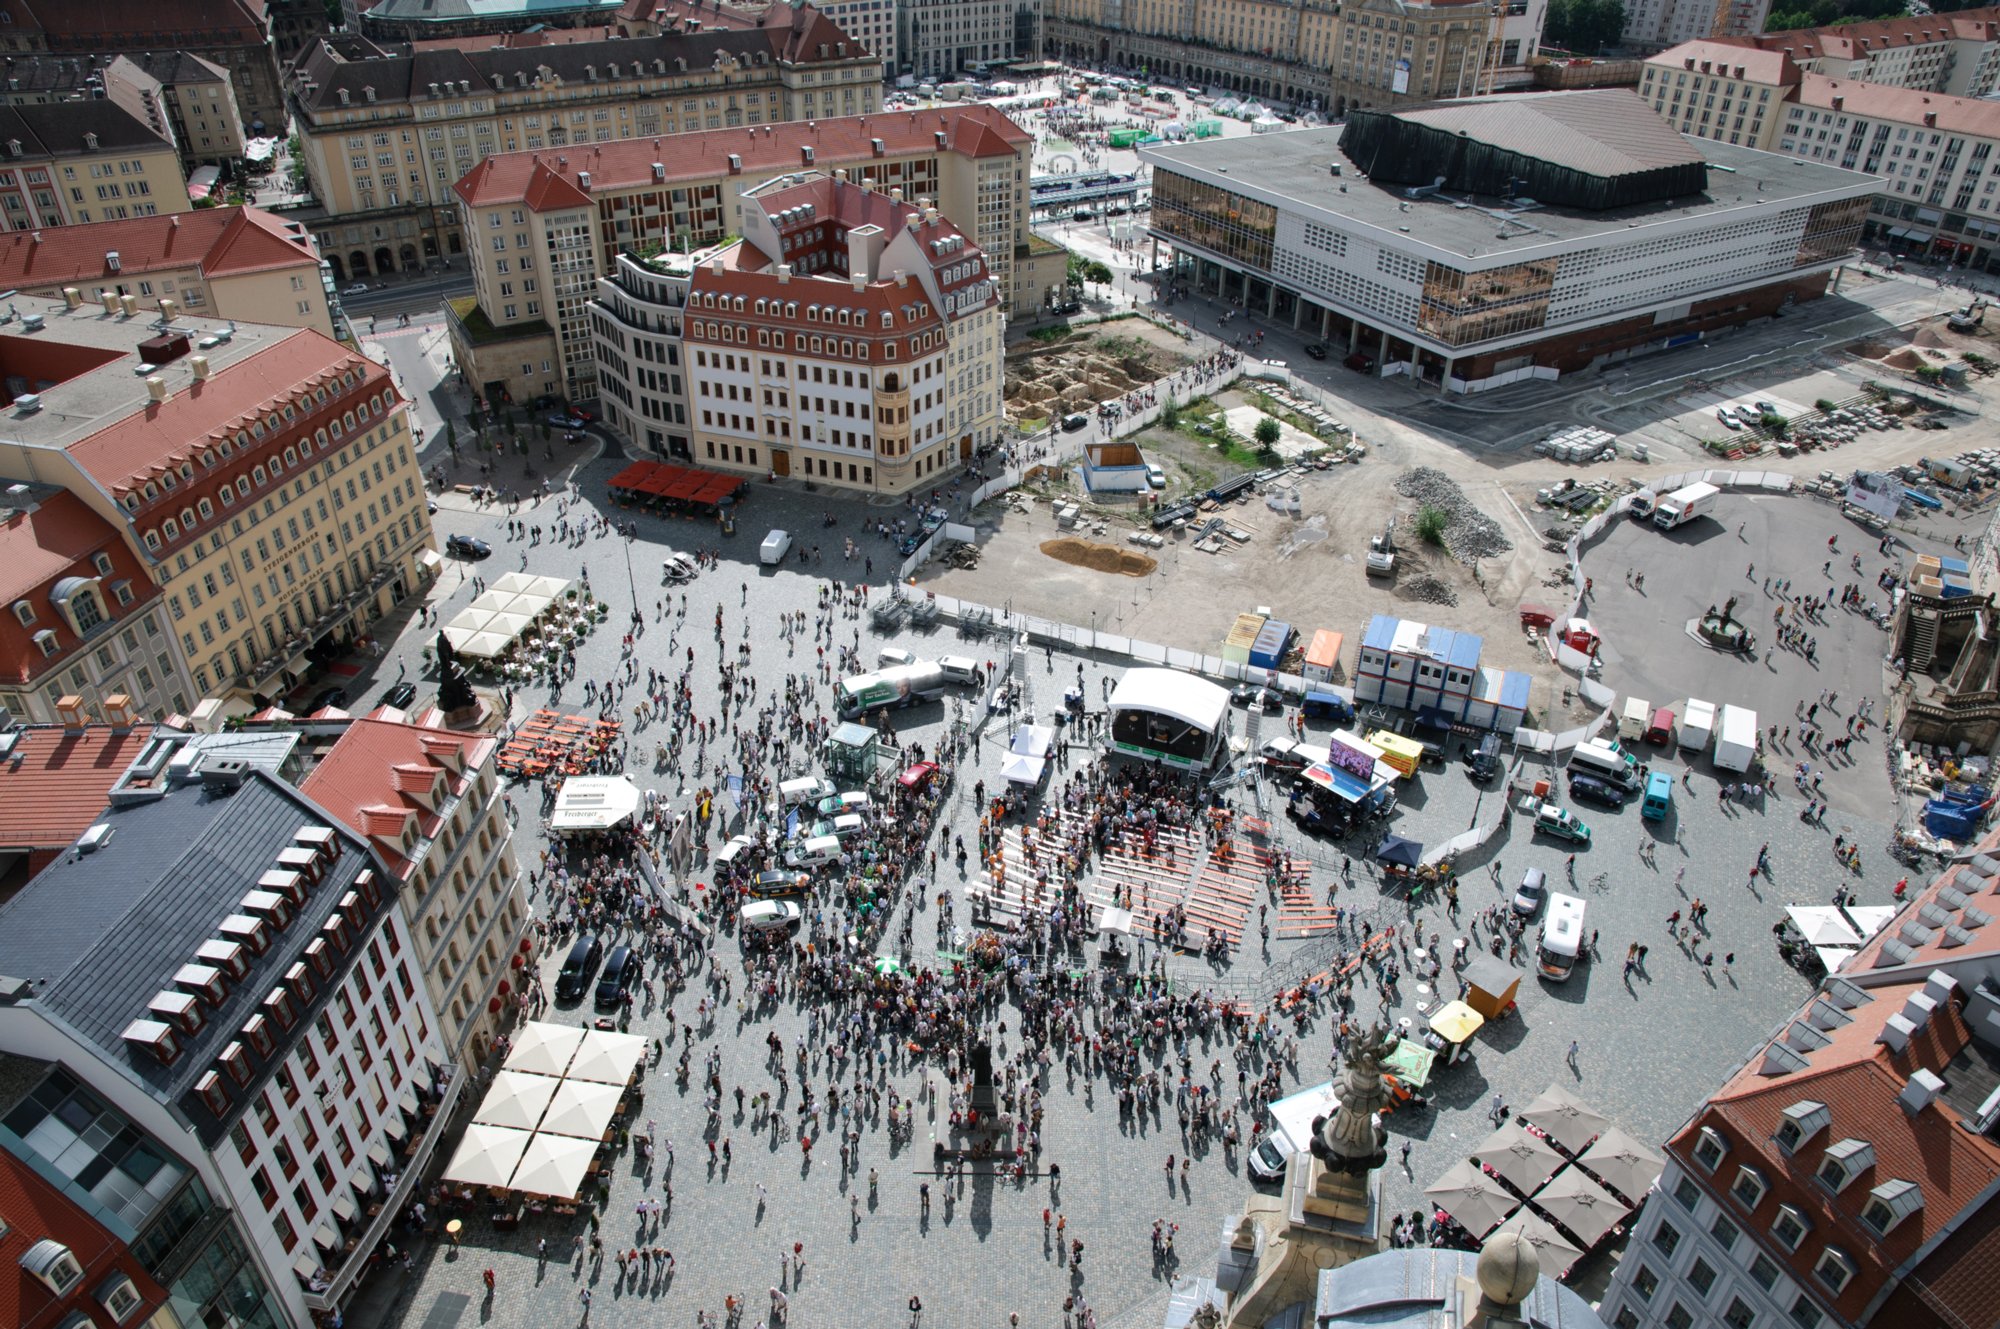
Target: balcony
point(327, 1285)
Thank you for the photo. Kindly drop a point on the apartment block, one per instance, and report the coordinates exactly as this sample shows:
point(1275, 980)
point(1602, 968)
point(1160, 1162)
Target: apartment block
point(1844, 1176)
point(234, 263)
point(850, 336)
point(1318, 53)
point(84, 161)
point(385, 132)
point(427, 800)
point(1933, 154)
point(1651, 24)
point(870, 22)
point(936, 39)
point(221, 973)
point(86, 631)
point(264, 475)
point(546, 226)
point(178, 95)
point(1957, 54)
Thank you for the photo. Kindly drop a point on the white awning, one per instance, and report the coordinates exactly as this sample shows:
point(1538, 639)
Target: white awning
point(544, 1048)
point(378, 1153)
point(1170, 692)
point(516, 1099)
point(487, 1155)
point(1822, 925)
point(594, 803)
point(343, 1207)
point(326, 1238)
point(554, 1165)
point(582, 1108)
point(607, 1057)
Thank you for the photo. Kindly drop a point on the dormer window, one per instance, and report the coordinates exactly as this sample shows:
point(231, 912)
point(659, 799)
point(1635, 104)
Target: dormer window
point(156, 1037)
point(1749, 1187)
point(53, 1265)
point(46, 640)
point(1790, 1228)
point(119, 1298)
point(1834, 1269)
point(1889, 1204)
point(1709, 1148)
point(213, 1094)
point(1803, 1120)
point(236, 1060)
point(282, 1008)
point(1844, 1162)
point(102, 562)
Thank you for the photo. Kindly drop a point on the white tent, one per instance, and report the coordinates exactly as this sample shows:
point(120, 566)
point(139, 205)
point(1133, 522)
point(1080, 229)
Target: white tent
point(1868, 919)
point(607, 1058)
point(1834, 956)
point(582, 1108)
point(594, 803)
point(1822, 925)
point(543, 1048)
point(1170, 692)
point(490, 624)
point(523, 583)
point(517, 1099)
point(554, 1165)
point(487, 1155)
point(1028, 755)
point(1113, 919)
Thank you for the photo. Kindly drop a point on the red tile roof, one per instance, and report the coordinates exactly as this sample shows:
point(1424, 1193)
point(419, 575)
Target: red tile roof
point(1858, 1080)
point(60, 784)
point(1725, 55)
point(1850, 41)
point(35, 1210)
point(219, 241)
point(513, 177)
point(1932, 926)
point(131, 447)
point(371, 777)
point(37, 550)
point(1963, 115)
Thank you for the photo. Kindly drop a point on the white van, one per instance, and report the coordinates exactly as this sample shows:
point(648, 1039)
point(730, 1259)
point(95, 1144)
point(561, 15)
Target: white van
point(1607, 760)
point(959, 669)
point(776, 545)
point(805, 789)
point(1562, 938)
point(820, 849)
point(1633, 719)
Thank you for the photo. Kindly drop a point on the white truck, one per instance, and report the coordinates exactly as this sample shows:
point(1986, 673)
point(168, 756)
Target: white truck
point(776, 545)
point(1735, 738)
point(1697, 724)
point(1288, 1129)
point(1685, 504)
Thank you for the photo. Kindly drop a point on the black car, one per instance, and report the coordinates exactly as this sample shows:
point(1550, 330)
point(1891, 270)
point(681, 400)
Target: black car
point(621, 971)
point(464, 546)
point(400, 696)
point(578, 968)
point(1317, 350)
point(326, 697)
point(1590, 789)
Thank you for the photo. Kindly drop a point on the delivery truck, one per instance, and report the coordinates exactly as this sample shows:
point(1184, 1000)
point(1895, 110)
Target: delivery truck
point(1288, 1129)
point(1697, 724)
point(1684, 505)
point(1735, 738)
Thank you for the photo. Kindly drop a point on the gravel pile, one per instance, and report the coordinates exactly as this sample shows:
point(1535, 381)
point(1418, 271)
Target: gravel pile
point(1471, 534)
point(1427, 589)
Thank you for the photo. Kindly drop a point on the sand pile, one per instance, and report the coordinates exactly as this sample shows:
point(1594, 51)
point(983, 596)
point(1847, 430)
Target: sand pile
point(1097, 557)
point(1903, 359)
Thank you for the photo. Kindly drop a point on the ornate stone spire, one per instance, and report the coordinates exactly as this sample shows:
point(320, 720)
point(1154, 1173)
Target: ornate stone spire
point(1352, 1141)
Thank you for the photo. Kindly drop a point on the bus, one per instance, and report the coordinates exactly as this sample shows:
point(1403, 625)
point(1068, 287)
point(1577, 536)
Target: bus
point(898, 685)
point(1562, 938)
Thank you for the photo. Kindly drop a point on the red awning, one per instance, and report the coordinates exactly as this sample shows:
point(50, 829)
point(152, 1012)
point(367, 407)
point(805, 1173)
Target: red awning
point(631, 475)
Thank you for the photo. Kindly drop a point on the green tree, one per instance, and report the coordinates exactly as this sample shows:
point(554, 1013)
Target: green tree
point(1584, 26)
point(1268, 433)
point(1431, 522)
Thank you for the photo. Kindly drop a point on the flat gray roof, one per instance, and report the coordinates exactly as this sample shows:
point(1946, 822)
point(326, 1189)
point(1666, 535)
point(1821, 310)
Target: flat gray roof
point(1293, 170)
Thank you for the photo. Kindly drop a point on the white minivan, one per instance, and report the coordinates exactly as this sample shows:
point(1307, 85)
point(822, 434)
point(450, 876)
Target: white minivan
point(805, 789)
point(959, 669)
point(820, 849)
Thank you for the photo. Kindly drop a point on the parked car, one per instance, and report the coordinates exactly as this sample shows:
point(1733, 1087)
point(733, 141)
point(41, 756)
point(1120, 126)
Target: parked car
point(1590, 789)
point(584, 954)
point(917, 776)
point(1364, 364)
point(561, 421)
point(890, 656)
point(1722, 414)
point(465, 546)
point(400, 696)
point(770, 915)
point(326, 697)
point(776, 882)
point(833, 805)
point(356, 288)
point(621, 971)
point(1561, 823)
point(737, 846)
point(1072, 423)
point(1528, 895)
point(1317, 350)
point(1156, 475)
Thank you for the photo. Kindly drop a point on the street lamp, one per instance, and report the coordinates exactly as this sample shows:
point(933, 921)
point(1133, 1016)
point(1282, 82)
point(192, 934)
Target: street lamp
point(633, 585)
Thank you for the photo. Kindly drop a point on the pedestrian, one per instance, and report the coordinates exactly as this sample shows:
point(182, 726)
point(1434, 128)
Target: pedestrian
point(916, 1310)
point(583, 1295)
point(1406, 1157)
point(1574, 1048)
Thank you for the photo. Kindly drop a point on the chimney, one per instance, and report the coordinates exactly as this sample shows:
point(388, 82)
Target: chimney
point(716, 266)
point(864, 252)
point(156, 387)
point(168, 308)
point(199, 364)
point(1920, 1092)
point(118, 711)
point(72, 298)
point(128, 305)
point(69, 709)
point(859, 282)
point(784, 273)
point(896, 194)
point(110, 299)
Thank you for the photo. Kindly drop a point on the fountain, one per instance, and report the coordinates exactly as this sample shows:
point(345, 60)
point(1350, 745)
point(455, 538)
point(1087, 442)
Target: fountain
point(1721, 630)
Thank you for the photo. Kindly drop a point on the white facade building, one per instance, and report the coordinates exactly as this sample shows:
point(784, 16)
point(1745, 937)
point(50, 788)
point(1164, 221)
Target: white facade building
point(635, 325)
point(870, 22)
point(232, 974)
point(936, 39)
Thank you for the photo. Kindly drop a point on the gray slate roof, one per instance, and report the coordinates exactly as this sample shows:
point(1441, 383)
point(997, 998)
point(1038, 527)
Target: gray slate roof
point(1604, 132)
point(57, 128)
point(101, 933)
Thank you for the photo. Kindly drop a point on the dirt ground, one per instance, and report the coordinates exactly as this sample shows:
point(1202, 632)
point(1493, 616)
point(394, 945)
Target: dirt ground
point(1192, 598)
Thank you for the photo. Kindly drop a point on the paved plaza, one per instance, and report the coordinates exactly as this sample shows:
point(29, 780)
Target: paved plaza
point(1649, 1045)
